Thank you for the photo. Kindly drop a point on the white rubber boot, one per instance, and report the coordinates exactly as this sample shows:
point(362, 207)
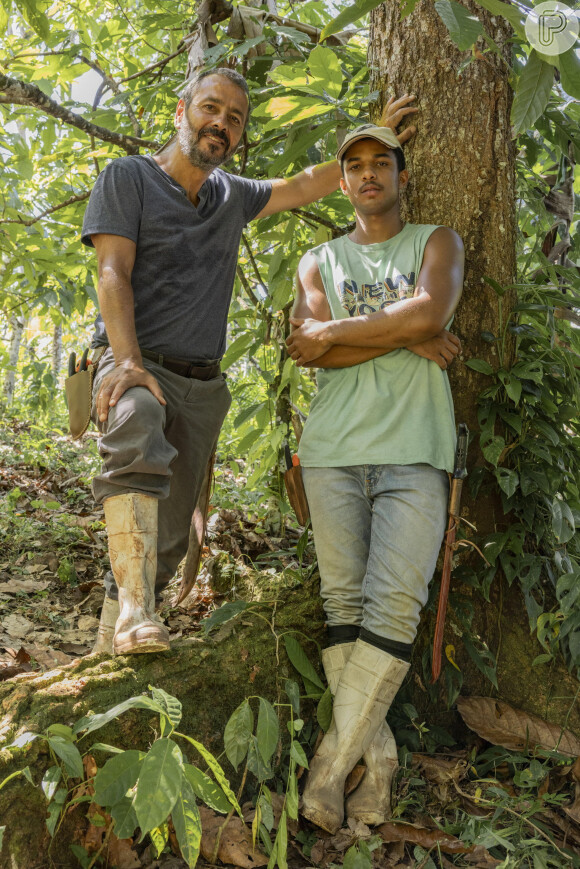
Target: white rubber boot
point(106, 631)
point(371, 801)
point(132, 527)
point(367, 686)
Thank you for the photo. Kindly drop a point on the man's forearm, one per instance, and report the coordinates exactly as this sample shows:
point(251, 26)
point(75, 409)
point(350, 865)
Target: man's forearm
point(315, 182)
point(342, 356)
point(118, 312)
point(402, 324)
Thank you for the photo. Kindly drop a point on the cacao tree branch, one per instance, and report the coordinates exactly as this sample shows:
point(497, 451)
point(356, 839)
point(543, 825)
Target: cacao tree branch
point(16, 92)
point(28, 221)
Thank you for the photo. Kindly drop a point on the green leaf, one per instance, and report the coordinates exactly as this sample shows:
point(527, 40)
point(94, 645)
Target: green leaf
point(297, 754)
point(493, 448)
point(125, 818)
point(60, 730)
point(55, 809)
point(93, 722)
point(217, 771)
point(348, 16)
point(479, 365)
point(69, 754)
point(34, 16)
point(1, 836)
point(562, 521)
point(508, 480)
point(159, 784)
point(206, 789)
point(237, 349)
point(227, 611)
point(117, 776)
point(187, 823)
point(159, 836)
point(300, 661)
point(324, 65)
point(532, 93)
point(509, 12)
point(570, 72)
point(305, 139)
point(238, 733)
point(292, 689)
point(324, 710)
point(464, 27)
point(354, 859)
point(256, 764)
point(267, 730)
point(50, 781)
point(172, 706)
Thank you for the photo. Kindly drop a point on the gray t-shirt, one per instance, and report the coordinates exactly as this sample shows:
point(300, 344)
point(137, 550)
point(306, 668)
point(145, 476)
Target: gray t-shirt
point(186, 256)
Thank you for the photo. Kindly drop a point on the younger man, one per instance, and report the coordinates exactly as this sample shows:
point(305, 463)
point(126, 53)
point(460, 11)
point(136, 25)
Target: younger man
point(371, 313)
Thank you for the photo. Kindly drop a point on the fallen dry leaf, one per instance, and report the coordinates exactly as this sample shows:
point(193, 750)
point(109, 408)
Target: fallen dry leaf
point(27, 585)
point(440, 770)
point(17, 626)
point(121, 854)
point(354, 778)
point(501, 724)
point(395, 832)
point(235, 844)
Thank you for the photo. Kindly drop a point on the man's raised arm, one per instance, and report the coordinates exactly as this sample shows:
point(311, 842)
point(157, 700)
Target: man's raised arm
point(402, 324)
point(315, 182)
point(116, 258)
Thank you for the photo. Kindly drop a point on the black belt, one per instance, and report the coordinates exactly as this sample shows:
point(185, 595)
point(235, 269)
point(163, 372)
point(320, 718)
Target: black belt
point(195, 370)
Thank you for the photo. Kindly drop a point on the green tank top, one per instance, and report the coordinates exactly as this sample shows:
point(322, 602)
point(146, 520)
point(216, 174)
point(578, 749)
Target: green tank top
point(396, 409)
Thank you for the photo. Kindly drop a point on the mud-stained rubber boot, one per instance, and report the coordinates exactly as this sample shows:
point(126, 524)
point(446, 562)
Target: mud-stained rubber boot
point(132, 528)
point(371, 801)
point(365, 691)
point(106, 630)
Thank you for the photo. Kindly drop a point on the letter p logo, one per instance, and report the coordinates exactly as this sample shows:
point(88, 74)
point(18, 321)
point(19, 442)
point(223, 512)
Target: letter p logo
point(552, 27)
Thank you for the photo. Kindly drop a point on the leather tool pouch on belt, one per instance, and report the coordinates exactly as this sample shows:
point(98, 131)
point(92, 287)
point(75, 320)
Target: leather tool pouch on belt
point(296, 494)
point(78, 389)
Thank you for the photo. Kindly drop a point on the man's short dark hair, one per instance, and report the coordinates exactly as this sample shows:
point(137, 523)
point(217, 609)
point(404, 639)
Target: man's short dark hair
point(399, 157)
point(231, 74)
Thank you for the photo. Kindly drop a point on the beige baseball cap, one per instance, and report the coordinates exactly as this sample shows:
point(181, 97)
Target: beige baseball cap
point(369, 131)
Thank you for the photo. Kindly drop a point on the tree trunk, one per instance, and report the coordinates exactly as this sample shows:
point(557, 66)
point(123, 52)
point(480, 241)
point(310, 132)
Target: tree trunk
point(462, 175)
point(18, 325)
point(56, 352)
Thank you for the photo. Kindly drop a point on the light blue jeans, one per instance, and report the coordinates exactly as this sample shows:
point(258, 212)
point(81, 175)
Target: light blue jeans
point(377, 531)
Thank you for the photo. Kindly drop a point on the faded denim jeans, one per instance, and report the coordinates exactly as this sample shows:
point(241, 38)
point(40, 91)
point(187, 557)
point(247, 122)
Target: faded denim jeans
point(377, 531)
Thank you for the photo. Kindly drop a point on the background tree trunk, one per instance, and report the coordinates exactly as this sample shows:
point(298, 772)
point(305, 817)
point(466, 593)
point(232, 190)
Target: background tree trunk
point(462, 175)
point(18, 325)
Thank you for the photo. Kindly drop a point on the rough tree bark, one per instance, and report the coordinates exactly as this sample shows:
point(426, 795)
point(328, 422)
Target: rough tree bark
point(462, 174)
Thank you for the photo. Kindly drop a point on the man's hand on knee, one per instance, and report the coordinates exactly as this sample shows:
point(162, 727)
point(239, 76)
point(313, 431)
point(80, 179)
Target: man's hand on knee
point(123, 377)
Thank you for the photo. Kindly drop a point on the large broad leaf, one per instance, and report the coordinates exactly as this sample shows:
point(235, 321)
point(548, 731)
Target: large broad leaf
point(115, 778)
point(187, 823)
point(532, 92)
point(159, 784)
point(172, 705)
point(238, 733)
point(123, 814)
point(300, 660)
point(93, 722)
point(50, 781)
point(206, 789)
point(69, 754)
point(348, 16)
point(324, 710)
point(509, 12)
point(464, 28)
point(501, 724)
point(35, 17)
point(324, 66)
point(303, 140)
point(570, 72)
point(256, 764)
point(562, 521)
point(217, 771)
point(267, 730)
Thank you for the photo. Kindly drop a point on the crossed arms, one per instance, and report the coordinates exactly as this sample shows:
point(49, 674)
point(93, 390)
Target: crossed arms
point(418, 323)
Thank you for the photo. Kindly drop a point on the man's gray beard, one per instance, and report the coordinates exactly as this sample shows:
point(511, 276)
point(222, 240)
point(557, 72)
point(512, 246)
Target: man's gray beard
point(194, 153)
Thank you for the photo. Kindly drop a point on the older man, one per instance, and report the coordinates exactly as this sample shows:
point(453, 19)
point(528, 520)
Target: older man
point(377, 446)
point(166, 230)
